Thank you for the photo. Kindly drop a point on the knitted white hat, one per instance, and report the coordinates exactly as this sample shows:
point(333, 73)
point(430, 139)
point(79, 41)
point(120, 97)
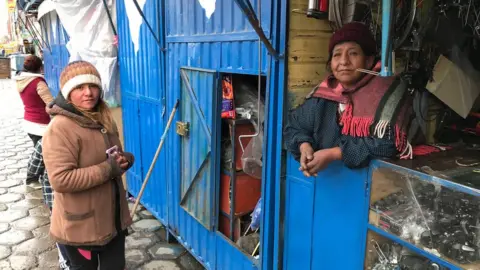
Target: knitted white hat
point(78, 73)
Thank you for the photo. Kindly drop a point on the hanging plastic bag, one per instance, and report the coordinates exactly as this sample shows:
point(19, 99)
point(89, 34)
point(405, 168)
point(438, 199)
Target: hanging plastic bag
point(256, 215)
point(252, 155)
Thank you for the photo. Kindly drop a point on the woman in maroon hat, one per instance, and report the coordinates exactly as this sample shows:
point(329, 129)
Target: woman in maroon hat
point(351, 116)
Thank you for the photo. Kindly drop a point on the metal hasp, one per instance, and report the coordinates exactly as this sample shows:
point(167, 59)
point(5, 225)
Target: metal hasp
point(388, 8)
point(248, 11)
point(183, 128)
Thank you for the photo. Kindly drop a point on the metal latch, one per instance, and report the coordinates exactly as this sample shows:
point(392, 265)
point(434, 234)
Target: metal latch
point(183, 128)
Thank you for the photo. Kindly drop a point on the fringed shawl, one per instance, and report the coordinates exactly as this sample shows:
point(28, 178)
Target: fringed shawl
point(375, 106)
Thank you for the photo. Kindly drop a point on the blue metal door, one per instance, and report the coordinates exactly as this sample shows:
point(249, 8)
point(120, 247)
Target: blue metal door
point(199, 148)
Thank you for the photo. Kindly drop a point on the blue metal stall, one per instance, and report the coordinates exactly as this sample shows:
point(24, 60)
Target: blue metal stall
point(200, 48)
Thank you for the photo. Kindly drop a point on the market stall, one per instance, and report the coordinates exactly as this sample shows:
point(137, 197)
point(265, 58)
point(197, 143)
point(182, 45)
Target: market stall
point(420, 213)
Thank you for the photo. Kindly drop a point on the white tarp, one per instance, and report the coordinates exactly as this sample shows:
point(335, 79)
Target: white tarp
point(44, 8)
point(135, 20)
point(91, 39)
point(208, 6)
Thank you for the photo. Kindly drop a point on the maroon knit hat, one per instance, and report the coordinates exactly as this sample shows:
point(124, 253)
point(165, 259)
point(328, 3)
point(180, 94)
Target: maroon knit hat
point(356, 32)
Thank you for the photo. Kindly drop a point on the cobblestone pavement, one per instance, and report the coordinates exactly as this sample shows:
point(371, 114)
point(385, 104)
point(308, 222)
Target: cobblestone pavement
point(24, 220)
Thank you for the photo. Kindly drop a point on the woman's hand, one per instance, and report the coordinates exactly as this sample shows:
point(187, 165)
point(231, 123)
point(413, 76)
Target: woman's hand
point(306, 155)
point(321, 160)
point(122, 161)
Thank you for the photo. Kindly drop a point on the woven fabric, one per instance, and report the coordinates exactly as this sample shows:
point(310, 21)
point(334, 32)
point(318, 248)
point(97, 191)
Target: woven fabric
point(373, 106)
point(316, 122)
point(76, 69)
point(356, 32)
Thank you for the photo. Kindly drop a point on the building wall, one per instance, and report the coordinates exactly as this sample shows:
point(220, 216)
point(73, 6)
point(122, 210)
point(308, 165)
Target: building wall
point(307, 52)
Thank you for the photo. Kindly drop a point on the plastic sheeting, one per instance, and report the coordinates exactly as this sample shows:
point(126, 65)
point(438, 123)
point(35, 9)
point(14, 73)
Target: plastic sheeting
point(92, 40)
point(135, 21)
point(208, 6)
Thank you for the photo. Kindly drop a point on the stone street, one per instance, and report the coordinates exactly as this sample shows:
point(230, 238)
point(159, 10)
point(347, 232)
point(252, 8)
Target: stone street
point(24, 219)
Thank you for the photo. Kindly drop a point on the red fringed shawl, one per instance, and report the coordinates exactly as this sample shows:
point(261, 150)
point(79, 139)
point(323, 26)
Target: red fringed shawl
point(375, 106)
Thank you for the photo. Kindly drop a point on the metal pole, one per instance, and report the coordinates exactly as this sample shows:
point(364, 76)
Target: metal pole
point(37, 33)
point(386, 69)
point(233, 181)
point(152, 165)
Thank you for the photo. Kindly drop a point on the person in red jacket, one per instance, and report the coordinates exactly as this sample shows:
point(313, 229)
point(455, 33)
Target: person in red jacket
point(35, 96)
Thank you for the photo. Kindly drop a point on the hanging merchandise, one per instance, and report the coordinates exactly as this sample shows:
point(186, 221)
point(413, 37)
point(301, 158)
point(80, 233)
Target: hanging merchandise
point(228, 106)
point(317, 9)
point(89, 27)
point(256, 216)
point(252, 154)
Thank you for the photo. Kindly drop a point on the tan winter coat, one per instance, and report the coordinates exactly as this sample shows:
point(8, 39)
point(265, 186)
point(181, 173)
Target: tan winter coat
point(83, 179)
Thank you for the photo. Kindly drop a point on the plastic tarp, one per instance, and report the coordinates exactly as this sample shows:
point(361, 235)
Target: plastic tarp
point(44, 8)
point(92, 39)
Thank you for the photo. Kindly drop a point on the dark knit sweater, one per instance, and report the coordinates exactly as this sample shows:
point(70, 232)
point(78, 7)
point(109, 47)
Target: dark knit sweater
point(316, 122)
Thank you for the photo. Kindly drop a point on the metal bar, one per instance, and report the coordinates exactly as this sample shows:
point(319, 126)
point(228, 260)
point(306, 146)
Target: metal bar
point(233, 180)
point(154, 161)
point(386, 70)
point(139, 9)
point(248, 11)
point(109, 17)
point(37, 33)
point(24, 25)
point(195, 179)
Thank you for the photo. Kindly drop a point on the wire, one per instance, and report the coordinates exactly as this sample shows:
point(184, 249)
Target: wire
point(259, 112)
point(110, 17)
point(146, 22)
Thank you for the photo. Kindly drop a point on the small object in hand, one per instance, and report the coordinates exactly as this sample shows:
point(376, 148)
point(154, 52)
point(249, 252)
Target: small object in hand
point(112, 151)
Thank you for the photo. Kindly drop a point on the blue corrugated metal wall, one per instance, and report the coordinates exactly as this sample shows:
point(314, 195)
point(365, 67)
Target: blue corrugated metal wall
point(224, 43)
point(143, 92)
point(56, 57)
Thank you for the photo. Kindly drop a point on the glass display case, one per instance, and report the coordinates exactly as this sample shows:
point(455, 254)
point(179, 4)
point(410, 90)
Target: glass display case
point(433, 210)
point(385, 254)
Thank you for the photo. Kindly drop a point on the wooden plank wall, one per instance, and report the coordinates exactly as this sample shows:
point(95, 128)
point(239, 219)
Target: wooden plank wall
point(307, 52)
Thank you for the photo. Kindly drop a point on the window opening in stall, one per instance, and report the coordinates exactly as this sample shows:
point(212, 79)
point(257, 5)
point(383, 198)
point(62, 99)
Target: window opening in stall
point(241, 160)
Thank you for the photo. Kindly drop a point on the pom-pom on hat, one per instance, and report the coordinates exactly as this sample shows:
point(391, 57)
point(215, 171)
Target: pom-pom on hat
point(78, 73)
point(356, 32)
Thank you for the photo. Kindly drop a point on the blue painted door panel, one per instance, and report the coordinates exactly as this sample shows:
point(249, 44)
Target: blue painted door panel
point(199, 109)
point(325, 218)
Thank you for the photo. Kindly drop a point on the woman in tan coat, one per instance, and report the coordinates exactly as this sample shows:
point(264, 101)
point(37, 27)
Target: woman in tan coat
point(90, 211)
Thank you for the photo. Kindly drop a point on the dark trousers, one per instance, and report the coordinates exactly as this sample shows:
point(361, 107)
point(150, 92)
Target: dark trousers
point(63, 256)
point(109, 257)
point(35, 138)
